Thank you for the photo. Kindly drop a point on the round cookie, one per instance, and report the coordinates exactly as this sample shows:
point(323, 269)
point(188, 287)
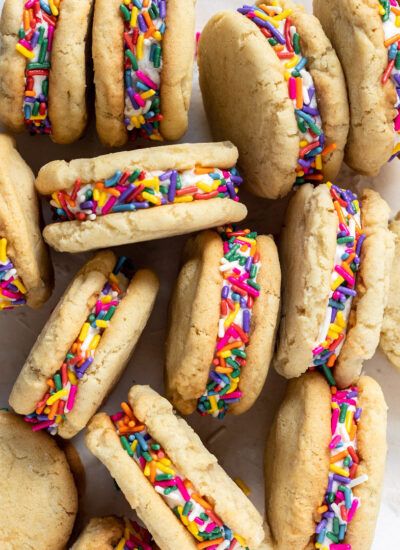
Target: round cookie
point(38, 496)
point(117, 31)
point(195, 186)
point(190, 460)
point(298, 459)
point(64, 67)
point(233, 50)
point(24, 258)
point(82, 382)
point(310, 253)
point(390, 332)
point(194, 323)
point(100, 534)
point(356, 30)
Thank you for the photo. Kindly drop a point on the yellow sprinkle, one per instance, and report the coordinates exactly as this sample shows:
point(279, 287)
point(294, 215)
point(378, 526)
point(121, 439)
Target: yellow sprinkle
point(146, 470)
point(106, 299)
point(292, 62)
point(213, 403)
point(95, 341)
point(265, 17)
point(18, 283)
point(192, 527)
point(152, 182)
point(157, 35)
point(165, 469)
point(337, 470)
point(3, 250)
point(5, 303)
point(72, 378)
point(37, 117)
point(84, 332)
point(53, 8)
point(56, 396)
point(318, 162)
point(204, 186)
point(24, 51)
point(336, 328)
point(303, 143)
point(283, 15)
point(397, 21)
point(225, 354)
point(349, 420)
point(101, 323)
point(336, 283)
point(134, 15)
point(139, 46)
point(148, 94)
point(381, 10)
point(96, 195)
point(166, 461)
point(184, 198)
point(151, 198)
point(112, 278)
point(134, 445)
point(135, 121)
point(59, 419)
point(240, 483)
point(156, 137)
point(334, 405)
point(103, 199)
point(55, 199)
point(241, 540)
point(121, 545)
point(287, 75)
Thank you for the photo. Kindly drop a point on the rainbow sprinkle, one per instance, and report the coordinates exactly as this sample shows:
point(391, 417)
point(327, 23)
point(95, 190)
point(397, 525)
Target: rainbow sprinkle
point(12, 290)
point(276, 25)
point(134, 190)
point(135, 538)
point(189, 506)
point(144, 28)
point(239, 268)
point(35, 44)
point(349, 241)
point(60, 396)
point(340, 504)
point(389, 11)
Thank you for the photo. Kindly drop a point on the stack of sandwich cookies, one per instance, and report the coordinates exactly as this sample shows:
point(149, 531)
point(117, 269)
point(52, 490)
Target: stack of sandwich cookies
point(143, 85)
point(110, 200)
point(223, 318)
point(333, 246)
point(303, 81)
point(84, 346)
point(26, 275)
point(175, 485)
point(324, 435)
point(112, 533)
point(43, 67)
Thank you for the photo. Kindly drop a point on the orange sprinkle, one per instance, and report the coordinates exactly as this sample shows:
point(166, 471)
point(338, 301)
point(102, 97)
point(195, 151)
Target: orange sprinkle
point(331, 361)
point(208, 543)
point(113, 192)
point(50, 383)
point(153, 471)
point(266, 9)
point(338, 457)
point(232, 345)
point(99, 185)
point(53, 410)
point(299, 92)
point(339, 212)
point(27, 20)
point(203, 170)
point(127, 410)
point(147, 18)
point(322, 509)
point(201, 501)
point(353, 431)
point(329, 148)
point(224, 370)
point(392, 40)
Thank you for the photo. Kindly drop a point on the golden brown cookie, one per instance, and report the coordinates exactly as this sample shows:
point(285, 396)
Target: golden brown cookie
point(37, 492)
point(160, 41)
point(298, 460)
point(233, 50)
point(140, 195)
point(24, 259)
point(198, 313)
point(76, 325)
point(212, 488)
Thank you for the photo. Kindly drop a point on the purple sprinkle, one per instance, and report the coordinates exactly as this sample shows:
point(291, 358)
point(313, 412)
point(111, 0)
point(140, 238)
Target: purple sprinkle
point(249, 263)
point(341, 479)
point(143, 204)
point(142, 23)
point(347, 291)
point(165, 175)
point(357, 414)
point(246, 320)
point(225, 292)
point(172, 186)
point(359, 244)
point(310, 110)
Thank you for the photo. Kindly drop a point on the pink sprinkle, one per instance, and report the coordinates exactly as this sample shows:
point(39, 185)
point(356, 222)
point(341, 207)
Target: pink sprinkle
point(26, 44)
point(334, 441)
point(318, 350)
point(292, 88)
point(50, 35)
point(345, 275)
point(167, 483)
point(226, 247)
point(10, 294)
point(334, 420)
point(249, 289)
point(199, 521)
point(352, 511)
point(42, 425)
point(397, 123)
point(231, 395)
point(117, 416)
point(109, 204)
point(30, 4)
point(71, 397)
point(144, 78)
point(344, 228)
point(340, 547)
point(139, 100)
point(182, 489)
point(210, 527)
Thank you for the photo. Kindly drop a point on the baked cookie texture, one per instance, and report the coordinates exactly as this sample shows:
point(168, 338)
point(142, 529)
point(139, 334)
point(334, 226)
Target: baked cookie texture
point(187, 452)
point(233, 50)
point(67, 101)
point(194, 316)
point(307, 251)
point(176, 74)
point(390, 340)
point(20, 224)
point(63, 327)
point(356, 32)
point(297, 462)
point(155, 223)
point(37, 492)
point(100, 534)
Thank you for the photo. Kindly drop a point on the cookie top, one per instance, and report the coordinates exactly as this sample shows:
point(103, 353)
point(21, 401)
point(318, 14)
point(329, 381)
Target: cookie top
point(356, 26)
point(38, 479)
point(100, 534)
point(390, 341)
point(233, 49)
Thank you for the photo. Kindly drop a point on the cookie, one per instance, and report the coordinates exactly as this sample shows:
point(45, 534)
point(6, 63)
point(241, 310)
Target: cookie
point(368, 28)
point(85, 345)
point(25, 267)
point(390, 332)
point(43, 67)
point(111, 532)
point(37, 492)
point(336, 254)
point(110, 200)
point(305, 455)
point(182, 482)
point(222, 323)
point(144, 83)
point(294, 101)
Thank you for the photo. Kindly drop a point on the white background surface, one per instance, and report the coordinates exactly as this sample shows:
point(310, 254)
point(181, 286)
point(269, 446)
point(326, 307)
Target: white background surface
point(239, 441)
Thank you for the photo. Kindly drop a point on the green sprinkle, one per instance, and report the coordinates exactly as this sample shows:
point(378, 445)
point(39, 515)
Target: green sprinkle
point(343, 412)
point(331, 536)
point(32, 66)
point(342, 240)
point(164, 477)
point(45, 87)
point(336, 526)
point(169, 489)
point(253, 271)
point(125, 12)
point(43, 51)
point(328, 374)
point(109, 313)
point(187, 508)
point(41, 35)
point(272, 41)
point(252, 283)
point(134, 176)
point(239, 353)
point(147, 456)
point(155, 446)
point(57, 381)
point(21, 33)
point(296, 43)
point(126, 445)
point(132, 57)
point(397, 62)
point(35, 109)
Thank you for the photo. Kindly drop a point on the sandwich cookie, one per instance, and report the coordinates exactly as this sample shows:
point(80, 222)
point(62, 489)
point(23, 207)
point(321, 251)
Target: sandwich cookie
point(336, 254)
point(26, 274)
point(111, 200)
point(144, 82)
point(85, 345)
point(372, 29)
point(38, 497)
point(328, 448)
point(294, 101)
point(176, 486)
point(112, 533)
point(43, 67)
point(223, 319)
point(390, 335)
